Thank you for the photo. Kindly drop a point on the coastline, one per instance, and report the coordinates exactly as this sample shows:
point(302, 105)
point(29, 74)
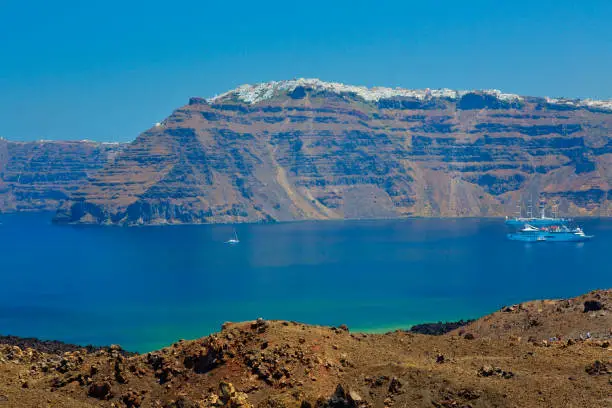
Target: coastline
point(56, 346)
point(498, 361)
point(428, 328)
point(53, 346)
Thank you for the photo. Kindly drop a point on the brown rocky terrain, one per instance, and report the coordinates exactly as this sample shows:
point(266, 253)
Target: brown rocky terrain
point(40, 176)
point(288, 364)
point(307, 149)
point(545, 319)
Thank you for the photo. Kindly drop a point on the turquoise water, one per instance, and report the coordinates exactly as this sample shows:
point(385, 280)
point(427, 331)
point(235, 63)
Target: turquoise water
point(147, 287)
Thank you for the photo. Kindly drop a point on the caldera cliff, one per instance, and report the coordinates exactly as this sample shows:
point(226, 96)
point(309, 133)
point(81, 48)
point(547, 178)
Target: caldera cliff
point(42, 175)
point(307, 149)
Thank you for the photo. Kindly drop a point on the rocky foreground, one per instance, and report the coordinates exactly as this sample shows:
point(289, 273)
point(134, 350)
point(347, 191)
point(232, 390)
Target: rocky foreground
point(543, 353)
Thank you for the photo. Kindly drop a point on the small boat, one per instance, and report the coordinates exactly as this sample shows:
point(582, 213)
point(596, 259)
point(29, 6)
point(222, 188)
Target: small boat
point(540, 222)
point(234, 240)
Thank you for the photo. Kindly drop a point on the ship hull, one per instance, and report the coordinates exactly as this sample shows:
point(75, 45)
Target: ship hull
point(565, 237)
point(525, 238)
point(549, 237)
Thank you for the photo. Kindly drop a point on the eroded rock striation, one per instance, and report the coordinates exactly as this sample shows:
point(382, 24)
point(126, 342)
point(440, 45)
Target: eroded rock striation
point(307, 149)
point(40, 176)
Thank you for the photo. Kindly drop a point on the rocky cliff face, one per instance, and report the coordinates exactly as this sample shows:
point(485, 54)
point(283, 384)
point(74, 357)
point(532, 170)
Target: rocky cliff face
point(40, 176)
point(307, 149)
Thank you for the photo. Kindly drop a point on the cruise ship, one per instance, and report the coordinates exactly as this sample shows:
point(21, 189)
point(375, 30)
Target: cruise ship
point(554, 233)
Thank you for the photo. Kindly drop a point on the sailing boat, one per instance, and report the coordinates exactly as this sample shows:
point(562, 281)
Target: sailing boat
point(542, 221)
point(234, 240)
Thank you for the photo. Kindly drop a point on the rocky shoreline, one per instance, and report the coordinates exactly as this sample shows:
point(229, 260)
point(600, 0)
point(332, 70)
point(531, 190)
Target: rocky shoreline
point(439, 328)
point(51, 346)
point(58, 347)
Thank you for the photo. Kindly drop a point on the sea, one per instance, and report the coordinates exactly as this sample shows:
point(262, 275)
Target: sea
point(147, 287)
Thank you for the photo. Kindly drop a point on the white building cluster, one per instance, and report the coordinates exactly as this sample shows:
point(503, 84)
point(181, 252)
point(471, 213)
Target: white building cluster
point(591, 103)
point(260, 92)
point(263, 91)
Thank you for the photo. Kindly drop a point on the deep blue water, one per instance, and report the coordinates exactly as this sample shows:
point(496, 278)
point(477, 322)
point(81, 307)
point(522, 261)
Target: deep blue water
point(147, 287)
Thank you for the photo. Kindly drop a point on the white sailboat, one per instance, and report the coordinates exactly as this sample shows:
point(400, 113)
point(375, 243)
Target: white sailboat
point(234, 240)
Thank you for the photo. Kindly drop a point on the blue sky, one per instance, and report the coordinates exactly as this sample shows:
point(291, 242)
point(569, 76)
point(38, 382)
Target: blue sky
point(107, 70)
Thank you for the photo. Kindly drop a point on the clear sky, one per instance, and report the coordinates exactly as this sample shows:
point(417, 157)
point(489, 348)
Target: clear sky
point(107, 70)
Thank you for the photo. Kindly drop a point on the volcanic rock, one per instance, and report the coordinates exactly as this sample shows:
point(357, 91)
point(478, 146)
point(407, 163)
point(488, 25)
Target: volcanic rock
point(396, 369)
point(307, 149)
point(100, 390)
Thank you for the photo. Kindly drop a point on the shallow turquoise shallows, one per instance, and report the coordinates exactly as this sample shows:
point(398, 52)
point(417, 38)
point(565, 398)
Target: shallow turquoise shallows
point(144, 288)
